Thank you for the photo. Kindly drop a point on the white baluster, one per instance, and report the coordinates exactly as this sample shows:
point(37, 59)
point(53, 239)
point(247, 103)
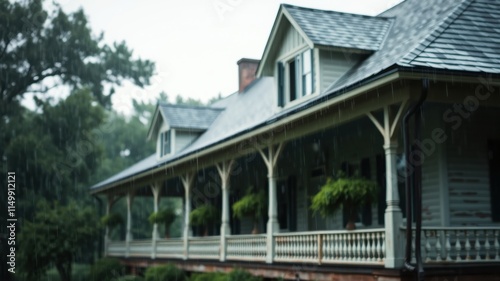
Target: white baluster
point(487, 245)
point(467, 246)
point(438, 246)
point(447, 246)
point(477, 246)
point(343, 246)
point(497, 246)
point(427, 252)
point(368, 249)
point(362, 252)
point(334, 240)
point(458, 246)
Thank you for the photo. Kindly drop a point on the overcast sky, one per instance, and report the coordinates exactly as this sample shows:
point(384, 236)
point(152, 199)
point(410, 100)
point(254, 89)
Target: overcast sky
point(196, 44)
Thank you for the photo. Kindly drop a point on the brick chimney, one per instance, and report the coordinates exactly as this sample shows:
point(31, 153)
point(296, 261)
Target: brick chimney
point(246, 72)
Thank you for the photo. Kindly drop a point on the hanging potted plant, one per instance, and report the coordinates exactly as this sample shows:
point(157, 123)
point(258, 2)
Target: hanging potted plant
point(165, 217)
point(111, 221)
point(252, 205)
point(203, 216)
point(344, 192)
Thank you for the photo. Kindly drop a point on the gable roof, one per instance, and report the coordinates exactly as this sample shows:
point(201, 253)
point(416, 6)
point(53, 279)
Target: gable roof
point(414, 22)
point(321, 28)
point(343, 30)
point(189, 117)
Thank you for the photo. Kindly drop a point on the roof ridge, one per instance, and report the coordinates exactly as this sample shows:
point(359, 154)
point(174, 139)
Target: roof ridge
point(441, 27)
point(189, 106)
point(333, 11)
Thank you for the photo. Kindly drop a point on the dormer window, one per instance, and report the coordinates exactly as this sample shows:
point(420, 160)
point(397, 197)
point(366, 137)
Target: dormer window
point(165, 143)
point(296, 77)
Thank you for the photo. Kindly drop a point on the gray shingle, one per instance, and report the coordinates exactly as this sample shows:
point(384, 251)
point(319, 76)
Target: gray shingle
point(330, 28)
point(472, 36)
point(189, 117)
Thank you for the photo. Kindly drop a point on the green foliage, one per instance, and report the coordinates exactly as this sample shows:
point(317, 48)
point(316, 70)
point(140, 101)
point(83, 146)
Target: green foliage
point(209, 276)
point(241, 275)
point(129, 278)
point(253, 204)
point(350, 192)
point(166, 216)
point(112, 220)
point(50, 43)
point(106, 269)
point(55, 237)
point(56, 151)
point(168, 272)
point(203, 215)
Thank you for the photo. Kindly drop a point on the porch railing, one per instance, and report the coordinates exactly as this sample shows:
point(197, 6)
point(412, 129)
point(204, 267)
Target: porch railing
point(459, 244)
point(347, 247)
point(170, 248)
point(140, 248)
point(204, 247)
point(246, 247)
point(117, 248)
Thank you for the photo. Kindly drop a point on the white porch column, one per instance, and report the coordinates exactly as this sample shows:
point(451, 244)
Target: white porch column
point(394, 250)
point(128, 236)
point(187, 180)
point(273, 225)
point(155, 189)
point(109, 203)
point(224, 170)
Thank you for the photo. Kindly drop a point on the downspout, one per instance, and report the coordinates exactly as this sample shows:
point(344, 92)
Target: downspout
point(413, 182)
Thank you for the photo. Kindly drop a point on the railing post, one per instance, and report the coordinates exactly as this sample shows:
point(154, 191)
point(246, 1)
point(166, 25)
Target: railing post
point(187, 182)
point(320, 248)
point(393, 215)
point(272, 224)
point(155, 189)
point(129, 236)
point(224, 170)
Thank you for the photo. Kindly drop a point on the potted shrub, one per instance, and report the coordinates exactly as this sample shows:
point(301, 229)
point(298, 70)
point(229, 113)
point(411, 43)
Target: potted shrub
point(165, 217)
point(252, 205)
point(347, 192)
point(203, 216)
point(111, 221)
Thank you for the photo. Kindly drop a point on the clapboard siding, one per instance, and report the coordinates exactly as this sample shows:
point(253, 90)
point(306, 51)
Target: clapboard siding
point(468, 168)
point(290, 40)
point(431, 195)
point(468, 181)
point(334, 64)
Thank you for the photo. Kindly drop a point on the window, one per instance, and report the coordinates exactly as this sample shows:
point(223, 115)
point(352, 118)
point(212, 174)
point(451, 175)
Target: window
point(165, 143)
point(296, 77)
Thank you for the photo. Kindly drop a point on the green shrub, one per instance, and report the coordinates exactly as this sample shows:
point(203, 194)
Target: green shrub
point(167, 272)
point(129, 278)
point(209, 276)
point(203, 215)
point(242, 275)
point(106, 269)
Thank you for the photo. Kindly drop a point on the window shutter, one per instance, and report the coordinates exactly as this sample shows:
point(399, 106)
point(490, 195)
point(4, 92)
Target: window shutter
point(281, 84)
point(169, 143)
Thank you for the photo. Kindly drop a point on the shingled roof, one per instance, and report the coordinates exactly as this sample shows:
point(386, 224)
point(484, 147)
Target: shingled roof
point(343, 30)
point(189, 117)
point(450, 35)
point(468, 40)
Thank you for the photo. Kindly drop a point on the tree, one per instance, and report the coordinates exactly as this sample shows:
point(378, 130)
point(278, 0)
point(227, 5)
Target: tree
point(55, 236)
point(55, 152)
point(41, 49)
